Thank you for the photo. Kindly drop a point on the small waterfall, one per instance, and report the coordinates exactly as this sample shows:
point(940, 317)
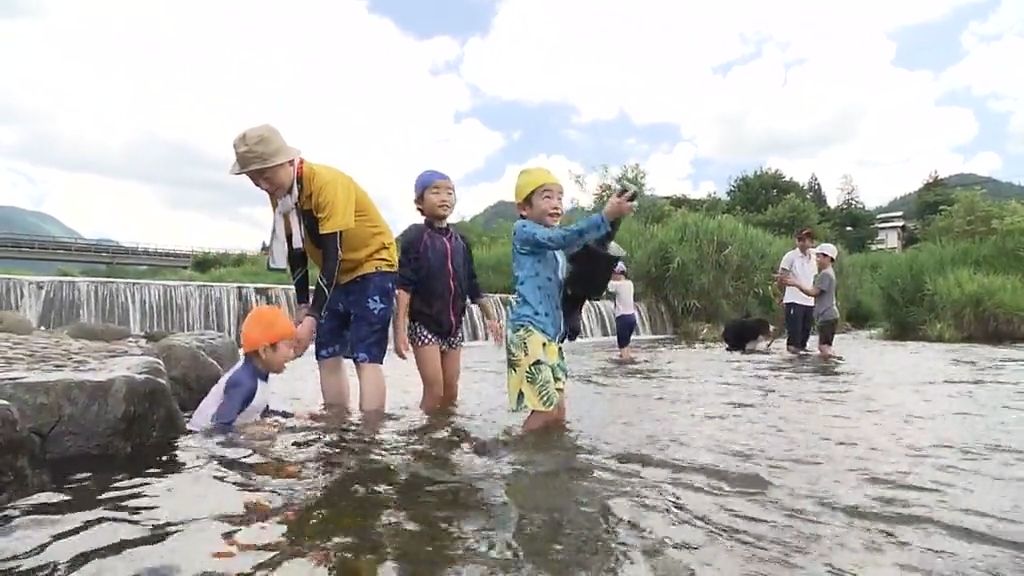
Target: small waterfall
point(144, 305)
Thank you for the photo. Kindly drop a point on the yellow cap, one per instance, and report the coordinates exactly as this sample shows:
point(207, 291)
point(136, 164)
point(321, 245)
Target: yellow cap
point(532, 178)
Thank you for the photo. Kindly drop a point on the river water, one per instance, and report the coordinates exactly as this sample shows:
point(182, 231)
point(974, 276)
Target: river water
point(906, 459)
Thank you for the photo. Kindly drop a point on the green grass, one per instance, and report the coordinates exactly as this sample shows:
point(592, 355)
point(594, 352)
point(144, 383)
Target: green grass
point(967, 291)
point(704, 268)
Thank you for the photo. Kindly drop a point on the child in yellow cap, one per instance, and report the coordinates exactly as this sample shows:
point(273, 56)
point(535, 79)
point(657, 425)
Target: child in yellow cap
point(242, 394)
point(536, 365)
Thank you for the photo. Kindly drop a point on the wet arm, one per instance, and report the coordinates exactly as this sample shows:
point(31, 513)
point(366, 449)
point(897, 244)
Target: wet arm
point(408, 264)
point(298, 265)
point(534, 236)
point(786, 266)
point(238, 393)
point(475, 293)
point(809, 290)
point(821, 285)
point(328, 278)
point(334, 207)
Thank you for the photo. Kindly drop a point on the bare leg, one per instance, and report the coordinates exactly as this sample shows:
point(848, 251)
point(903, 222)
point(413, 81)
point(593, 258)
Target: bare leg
point(334, 384)
point(372, 392)
point(537, 420)
point(429, 363)
point(451, 367)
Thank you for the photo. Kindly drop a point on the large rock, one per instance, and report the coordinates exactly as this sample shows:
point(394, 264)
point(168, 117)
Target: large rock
point(14, 323)
point(194, 362)
point(84, 397)
point(98, 332)
point(19, 470)
point(123, 407)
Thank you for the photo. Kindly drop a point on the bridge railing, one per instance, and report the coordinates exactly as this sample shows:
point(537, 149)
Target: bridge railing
point(81, 245)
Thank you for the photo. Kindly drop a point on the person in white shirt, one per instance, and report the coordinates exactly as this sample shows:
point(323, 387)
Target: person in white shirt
point(799, 264)
point(625, 311)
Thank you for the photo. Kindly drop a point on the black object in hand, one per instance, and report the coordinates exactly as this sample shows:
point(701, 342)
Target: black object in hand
point(590, 270)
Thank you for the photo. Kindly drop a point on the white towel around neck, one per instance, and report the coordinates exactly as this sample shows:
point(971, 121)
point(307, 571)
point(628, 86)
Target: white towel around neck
point(287, 207)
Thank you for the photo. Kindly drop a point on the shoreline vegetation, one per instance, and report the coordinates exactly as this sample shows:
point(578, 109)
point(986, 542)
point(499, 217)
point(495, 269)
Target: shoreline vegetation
point(960, 277)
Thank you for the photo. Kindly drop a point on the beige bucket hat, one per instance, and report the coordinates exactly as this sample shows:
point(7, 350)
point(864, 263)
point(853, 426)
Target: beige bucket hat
point(260, 147)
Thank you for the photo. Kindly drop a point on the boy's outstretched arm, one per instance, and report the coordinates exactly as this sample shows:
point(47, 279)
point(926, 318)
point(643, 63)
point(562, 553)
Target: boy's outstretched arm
point(811, 291)
point(533, 236)
point(821, 285)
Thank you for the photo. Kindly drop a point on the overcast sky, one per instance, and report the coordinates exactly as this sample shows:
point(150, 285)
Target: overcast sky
point(117, 117)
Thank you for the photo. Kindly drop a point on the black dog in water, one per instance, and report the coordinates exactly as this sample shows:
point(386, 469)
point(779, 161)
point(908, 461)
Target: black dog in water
point(590, 270)
point(744, 334)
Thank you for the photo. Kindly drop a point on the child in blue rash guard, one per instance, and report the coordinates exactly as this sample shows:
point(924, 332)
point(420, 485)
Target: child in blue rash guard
point(536, 365)
point(242, 394)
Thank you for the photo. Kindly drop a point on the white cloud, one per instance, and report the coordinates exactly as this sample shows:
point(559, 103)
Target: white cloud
point(96, 205)
point(995, 47)
point(474, 198)
point(883, 182)
point(669, 172)
point(117, 117)
point(811, 84)
point(119, 105)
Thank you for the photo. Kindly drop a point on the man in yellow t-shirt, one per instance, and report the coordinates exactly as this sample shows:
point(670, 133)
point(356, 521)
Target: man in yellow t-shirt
point(348, 239)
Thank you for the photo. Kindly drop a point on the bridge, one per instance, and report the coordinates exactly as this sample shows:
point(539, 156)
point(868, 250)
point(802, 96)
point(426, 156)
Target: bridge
point(80, 250)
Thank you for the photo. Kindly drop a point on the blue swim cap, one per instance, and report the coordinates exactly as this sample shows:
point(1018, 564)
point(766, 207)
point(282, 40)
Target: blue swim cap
point(426, 179)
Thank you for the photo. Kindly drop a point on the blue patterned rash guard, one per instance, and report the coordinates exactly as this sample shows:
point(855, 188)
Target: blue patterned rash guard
point(539, 268)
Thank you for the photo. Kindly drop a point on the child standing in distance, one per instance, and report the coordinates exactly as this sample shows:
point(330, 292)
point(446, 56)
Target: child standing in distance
point(826, 311)
point(536, 364)
point(242, 394)
point(625, 310)
point(436, 276)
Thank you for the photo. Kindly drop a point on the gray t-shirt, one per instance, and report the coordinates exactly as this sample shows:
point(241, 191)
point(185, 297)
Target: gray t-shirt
point(825, 308)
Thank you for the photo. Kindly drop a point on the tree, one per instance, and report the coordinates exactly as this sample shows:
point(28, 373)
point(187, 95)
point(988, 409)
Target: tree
point(785, 218)
point(973, 216)
point(757, 192)
point(629, 176)
point(932, 197)
point(711, 204)
point(815, 194)
point(853, 223)
point(855, 228)
point(849, 195)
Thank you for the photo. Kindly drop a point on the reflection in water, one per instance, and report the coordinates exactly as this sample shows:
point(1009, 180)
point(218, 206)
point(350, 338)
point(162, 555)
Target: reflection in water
point(393, 498)
point(562, 524)
point(901, 459)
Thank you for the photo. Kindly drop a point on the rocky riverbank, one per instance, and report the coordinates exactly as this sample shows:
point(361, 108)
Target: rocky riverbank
point(96, 390)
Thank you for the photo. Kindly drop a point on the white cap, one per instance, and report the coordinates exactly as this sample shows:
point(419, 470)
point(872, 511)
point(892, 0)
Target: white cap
point(828, 250)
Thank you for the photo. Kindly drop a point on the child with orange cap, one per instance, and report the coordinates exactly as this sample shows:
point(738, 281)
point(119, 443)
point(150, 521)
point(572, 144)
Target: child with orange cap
point(242, 394)
point(536, 365)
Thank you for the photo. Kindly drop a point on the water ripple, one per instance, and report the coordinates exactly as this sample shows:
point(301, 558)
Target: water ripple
point(905, 459)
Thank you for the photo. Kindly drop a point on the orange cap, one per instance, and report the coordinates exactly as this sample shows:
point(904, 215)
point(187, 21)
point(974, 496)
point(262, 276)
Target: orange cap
point(264, 326)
